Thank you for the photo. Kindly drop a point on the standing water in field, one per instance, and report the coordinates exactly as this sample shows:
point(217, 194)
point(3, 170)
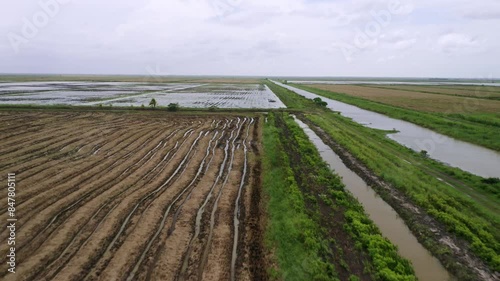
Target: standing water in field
point(468, 157)
point(426, 266)
point(192, 95)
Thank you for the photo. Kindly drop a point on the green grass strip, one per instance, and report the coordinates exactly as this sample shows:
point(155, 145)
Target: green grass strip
point(292, 235)
point(387, 264)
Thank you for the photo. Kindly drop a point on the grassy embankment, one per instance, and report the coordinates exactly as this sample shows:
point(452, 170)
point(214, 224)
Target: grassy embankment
point(475, 219)
point(318, 230)
point(480, 128)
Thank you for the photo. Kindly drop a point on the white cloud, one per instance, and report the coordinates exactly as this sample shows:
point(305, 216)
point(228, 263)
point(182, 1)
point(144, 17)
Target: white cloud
point(485, 14)
point(453, 42)
point(386, 59)
point(399, 40)
point(404, 44)
point(282, 37)
point(480, 10)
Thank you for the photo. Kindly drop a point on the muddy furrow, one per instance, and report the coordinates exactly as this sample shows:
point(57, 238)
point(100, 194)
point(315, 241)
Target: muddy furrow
point(102, 170)
point(156, 204)
point(57, 154)
point(119, 136)
point(236, 216)
point(89, 175)
point(28, 124)
point(55, 266)
point(163, 163)
point(61, 131)
point(40, 149)
point(214, 209)
point(172, 192)
point(200, 173)
point(50, 178)
point(17, 131)
point(56, 182)
point(48, 174)
point(17, 143)
point(215, 146)
point(189, 188)
point(201, 211)
point(129, 154)
point(147, 198)
point(151, 152)
point(181, 145)
point(30, 152)
point(167, 254)
point(59, 160)
point(113, 201)
point(33, 136)
point(110, 204)
point(218, 259)
point(51, 232)
point(88, 265)
point(140, 218)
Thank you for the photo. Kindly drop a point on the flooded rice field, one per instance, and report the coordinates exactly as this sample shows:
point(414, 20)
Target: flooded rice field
point(190, 95)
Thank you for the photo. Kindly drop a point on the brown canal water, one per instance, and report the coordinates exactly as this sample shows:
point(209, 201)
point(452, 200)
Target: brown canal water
point(427, 267)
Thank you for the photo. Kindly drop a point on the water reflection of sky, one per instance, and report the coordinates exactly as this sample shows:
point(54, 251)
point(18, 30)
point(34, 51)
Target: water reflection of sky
point(137, 94)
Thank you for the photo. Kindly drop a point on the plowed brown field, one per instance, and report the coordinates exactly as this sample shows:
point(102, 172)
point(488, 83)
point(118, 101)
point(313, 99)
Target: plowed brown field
point(108, 196)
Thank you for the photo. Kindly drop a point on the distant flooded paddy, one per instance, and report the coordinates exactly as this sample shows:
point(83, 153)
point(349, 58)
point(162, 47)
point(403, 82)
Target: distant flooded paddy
point(190, 95)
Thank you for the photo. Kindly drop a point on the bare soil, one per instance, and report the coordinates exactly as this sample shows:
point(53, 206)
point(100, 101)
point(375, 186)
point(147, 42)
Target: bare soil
point(120, 196)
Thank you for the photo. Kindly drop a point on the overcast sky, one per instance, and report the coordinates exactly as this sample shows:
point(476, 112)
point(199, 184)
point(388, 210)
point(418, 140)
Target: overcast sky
point(406, 38)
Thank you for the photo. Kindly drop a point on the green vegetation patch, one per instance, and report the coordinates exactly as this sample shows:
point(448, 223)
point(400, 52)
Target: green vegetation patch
point(317, 230)
point(466, 205)
point(292, 235)
point(460, 214)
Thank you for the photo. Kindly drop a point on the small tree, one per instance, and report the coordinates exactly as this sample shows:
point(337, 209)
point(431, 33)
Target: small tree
point(173, 107)
point(153, 103)
point(320, 102)
point(424, 153)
